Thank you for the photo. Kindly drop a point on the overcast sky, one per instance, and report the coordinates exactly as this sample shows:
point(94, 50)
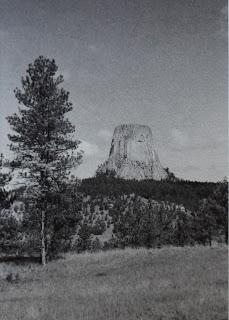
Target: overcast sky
point(162, 63)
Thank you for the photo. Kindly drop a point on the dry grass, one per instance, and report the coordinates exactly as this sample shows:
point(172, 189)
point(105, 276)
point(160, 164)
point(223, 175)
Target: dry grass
point(170, 283)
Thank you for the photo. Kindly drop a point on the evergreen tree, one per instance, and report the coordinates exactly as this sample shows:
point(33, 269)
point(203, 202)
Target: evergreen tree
point(43, 141)
point(218, 206)
point(6, 197)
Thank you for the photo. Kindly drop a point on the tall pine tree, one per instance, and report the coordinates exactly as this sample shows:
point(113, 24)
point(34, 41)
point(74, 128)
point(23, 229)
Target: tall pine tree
point(43, 140)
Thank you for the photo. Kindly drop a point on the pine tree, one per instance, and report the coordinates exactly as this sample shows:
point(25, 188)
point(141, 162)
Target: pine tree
point(43, 141)
point(218, 206)
point(6, 197)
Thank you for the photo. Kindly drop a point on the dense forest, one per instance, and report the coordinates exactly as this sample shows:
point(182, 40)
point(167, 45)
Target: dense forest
point(188, 193)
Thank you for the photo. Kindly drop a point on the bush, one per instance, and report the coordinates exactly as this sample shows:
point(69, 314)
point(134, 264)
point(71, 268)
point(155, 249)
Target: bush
point(99, 227)
point(84, 240)
point(11, 236)
point(12, 277)
point(96, 245)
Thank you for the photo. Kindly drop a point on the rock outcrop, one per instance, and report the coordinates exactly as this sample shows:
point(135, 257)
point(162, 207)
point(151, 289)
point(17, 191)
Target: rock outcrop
point(132, 154)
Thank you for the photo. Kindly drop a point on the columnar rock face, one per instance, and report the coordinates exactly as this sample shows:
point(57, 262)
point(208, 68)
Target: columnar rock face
point(132, 154)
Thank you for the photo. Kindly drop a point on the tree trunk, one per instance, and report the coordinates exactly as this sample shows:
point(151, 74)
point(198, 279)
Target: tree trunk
point(43, 251)
point(210, 236)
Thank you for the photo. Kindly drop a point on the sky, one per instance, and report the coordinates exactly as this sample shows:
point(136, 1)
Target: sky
point(160, 63)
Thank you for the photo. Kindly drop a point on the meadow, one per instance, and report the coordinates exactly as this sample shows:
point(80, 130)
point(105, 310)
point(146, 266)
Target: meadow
point(187, 283)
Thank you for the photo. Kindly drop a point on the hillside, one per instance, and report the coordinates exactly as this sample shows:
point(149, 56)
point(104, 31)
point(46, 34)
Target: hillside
point(151, 213)
point(187, 193)
point(170, 283)
point(106, 212)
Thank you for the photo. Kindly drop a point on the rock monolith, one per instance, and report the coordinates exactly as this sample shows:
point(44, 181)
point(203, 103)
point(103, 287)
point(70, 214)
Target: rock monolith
point(132, 154)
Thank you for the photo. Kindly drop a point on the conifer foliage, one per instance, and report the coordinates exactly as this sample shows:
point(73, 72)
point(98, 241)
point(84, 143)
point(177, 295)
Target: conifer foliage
point(43, 139)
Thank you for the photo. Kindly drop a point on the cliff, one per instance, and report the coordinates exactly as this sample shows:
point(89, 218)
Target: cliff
point(132, 154)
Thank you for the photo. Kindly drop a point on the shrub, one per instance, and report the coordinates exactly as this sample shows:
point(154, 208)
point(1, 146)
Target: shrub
point(12, 277)
point(96, 245)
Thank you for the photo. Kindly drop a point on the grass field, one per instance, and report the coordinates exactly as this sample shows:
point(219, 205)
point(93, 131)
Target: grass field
point(169, 283)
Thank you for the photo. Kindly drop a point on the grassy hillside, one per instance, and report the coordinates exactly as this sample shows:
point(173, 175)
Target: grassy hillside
point(170, 283)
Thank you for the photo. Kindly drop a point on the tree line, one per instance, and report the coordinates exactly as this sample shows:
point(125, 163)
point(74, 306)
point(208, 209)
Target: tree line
point(188, 193)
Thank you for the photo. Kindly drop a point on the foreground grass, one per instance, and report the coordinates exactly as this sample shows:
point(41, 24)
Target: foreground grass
point(170, 283)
